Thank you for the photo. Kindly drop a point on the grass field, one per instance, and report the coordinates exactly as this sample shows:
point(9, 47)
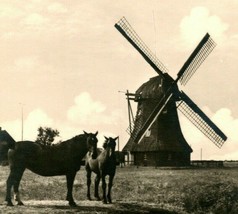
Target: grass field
point(135, 190)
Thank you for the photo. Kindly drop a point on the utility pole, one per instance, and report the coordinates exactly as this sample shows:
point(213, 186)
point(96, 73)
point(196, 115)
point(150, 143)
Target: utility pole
point(22, 123)
point(118, 147)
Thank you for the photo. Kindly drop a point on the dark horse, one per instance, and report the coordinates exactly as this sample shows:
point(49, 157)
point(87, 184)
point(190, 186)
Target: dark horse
point(103, 165)
point(60, 159)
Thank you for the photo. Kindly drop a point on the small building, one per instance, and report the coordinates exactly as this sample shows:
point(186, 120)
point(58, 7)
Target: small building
point(6, 142)
point(6, 137)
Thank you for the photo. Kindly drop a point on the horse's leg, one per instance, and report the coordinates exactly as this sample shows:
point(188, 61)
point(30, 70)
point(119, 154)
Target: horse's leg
point(89, 172)
point(97, 181)
point(110, 182)
point(70, 181)
point(17, 181)
point(10, 181)
point(13, 180)
point(104, 186)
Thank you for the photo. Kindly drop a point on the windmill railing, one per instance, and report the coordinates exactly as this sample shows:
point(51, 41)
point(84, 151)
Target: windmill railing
point(134, 128)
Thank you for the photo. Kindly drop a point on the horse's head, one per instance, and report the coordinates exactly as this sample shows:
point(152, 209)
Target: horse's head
point(92, 143)
point(110, 144)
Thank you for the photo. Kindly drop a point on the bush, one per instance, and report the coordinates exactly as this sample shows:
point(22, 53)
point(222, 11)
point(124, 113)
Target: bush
point(46, 135)
point(215, 198)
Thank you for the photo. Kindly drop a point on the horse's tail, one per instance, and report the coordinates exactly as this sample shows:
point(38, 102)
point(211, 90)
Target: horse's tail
point(6, 143)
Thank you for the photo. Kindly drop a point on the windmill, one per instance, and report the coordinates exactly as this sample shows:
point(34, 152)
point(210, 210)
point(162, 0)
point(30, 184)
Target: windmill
point(156, 125)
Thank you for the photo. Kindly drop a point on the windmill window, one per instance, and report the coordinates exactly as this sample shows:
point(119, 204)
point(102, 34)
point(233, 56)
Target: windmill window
point(161, 83)
point(148, 133)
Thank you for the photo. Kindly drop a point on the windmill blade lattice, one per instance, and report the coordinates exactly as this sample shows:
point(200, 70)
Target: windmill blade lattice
point(201, 52)
point(129, 33)
point(169, 86)
point(200, 120)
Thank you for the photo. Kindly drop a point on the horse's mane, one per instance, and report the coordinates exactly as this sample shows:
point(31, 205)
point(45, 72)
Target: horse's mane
point(74, 138)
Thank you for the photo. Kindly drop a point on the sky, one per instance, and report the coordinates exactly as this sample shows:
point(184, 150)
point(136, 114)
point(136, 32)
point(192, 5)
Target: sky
point(65, 66)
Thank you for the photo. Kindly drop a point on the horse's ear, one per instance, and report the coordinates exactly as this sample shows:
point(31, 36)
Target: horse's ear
point(116, 138)
point(96, 133)
point(85, 132)
point(104, 145)
point(105, 137)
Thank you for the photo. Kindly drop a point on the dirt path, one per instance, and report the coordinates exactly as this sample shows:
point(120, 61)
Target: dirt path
point(83, 207)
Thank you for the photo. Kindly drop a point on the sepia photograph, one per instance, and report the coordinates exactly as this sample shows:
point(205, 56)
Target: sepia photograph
point(125, 106)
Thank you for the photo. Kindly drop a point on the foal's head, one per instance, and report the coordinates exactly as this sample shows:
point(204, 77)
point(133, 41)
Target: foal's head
point(110, 144)
point(92, 143)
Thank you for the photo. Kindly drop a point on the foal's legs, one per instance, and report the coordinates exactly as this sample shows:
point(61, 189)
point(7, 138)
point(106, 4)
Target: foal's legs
point(89, 172)
point(97, 181)
point(104, 186)
point(70, 181)
point(109, 188)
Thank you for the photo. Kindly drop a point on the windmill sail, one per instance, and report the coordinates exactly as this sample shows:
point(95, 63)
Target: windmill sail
point(129, 33)
point(201, 52)
point(200, 120)
point(169, 89)
point(142, 129)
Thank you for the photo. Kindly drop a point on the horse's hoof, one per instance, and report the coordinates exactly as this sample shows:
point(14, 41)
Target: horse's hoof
point(72, 204)
point(20, 203)
point(97, 198)
point(89, 198)
point(10, 204)
point(104, 201)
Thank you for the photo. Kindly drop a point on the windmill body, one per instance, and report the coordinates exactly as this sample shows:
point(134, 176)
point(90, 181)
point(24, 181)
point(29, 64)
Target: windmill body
point(156, 137)
point(163, 144)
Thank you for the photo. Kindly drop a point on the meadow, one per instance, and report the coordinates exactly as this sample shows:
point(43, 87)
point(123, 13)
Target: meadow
point(135, 190)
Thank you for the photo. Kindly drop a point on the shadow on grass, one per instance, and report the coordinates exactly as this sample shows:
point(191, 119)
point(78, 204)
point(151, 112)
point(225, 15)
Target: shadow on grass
point(117, 207)
point(130, 208)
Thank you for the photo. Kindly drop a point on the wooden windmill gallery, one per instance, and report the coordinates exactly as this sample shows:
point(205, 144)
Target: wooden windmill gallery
point(155, 133)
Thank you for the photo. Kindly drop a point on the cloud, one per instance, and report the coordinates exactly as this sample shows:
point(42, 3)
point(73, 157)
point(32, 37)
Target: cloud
point(34, 120)
point(34, 19)
point(194, 26)
point(67, 129)
point(84, 107)
point(31, 123)
point(87, 111)
point(228, 124)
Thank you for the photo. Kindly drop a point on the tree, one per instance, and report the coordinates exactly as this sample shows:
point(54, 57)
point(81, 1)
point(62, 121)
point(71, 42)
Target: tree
point(46, 135)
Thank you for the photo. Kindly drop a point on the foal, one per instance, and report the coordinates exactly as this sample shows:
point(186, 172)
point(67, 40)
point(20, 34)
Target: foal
point(103, 165)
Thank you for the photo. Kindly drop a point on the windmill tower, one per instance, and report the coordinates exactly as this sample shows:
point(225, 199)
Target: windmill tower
point(156, 137)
